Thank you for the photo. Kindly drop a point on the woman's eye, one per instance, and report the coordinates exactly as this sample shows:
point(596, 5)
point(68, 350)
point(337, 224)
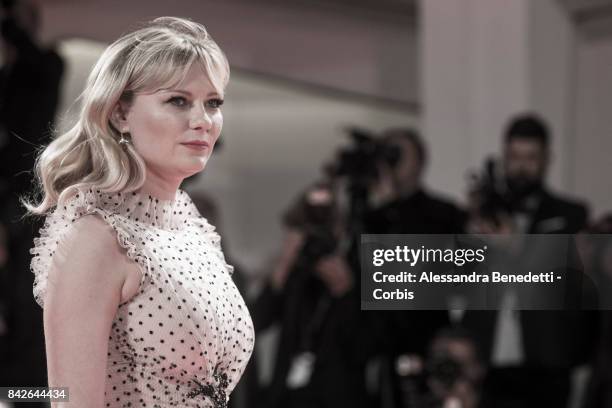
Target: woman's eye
point(178, 101)
point(214, 103)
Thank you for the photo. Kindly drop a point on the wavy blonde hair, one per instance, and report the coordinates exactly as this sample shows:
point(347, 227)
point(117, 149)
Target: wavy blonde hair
point(154, 57)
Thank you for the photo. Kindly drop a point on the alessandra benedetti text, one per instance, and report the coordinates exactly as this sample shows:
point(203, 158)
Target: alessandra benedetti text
point(493, 277)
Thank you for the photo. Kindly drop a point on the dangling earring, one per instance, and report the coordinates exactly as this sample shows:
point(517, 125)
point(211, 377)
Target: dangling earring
point(124, 141)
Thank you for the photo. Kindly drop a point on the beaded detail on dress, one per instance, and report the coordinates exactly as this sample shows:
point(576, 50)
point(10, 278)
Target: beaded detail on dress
point(216, 392)
point(184, 340)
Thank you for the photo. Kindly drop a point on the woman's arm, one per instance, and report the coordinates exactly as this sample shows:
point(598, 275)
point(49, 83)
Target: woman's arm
point(83, 293)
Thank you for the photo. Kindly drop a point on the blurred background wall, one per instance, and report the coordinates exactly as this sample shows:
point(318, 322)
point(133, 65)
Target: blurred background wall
point(592, 122)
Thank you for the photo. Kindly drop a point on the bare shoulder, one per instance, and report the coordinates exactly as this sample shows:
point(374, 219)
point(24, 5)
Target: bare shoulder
point(92, 237)
point(89, 261)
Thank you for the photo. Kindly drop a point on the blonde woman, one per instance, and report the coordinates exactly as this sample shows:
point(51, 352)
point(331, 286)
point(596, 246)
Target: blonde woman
point(139, 305)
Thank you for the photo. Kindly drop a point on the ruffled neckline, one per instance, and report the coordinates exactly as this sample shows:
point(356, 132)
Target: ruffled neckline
point(141, 208)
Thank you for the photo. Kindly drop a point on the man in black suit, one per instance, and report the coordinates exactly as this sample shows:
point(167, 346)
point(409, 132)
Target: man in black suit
point(526, 159)
point(405, 206)
point(531, 353)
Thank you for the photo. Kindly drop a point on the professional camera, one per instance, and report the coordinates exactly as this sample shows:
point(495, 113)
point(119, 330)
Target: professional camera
point(359, 162)
point(489, 192)
point(315, 214)
point(452, 369)
point(426, 387)
point(358, 166)
point(444, 370)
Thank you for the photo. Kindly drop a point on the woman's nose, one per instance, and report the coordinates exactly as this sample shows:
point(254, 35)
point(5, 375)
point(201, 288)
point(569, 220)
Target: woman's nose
point(201, 119)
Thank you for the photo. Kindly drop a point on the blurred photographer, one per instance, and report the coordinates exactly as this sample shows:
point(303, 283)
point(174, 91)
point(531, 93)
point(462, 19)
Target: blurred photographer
point(455, 370)
point(524, 368)
point(310, 293)
point(399, 203)
point(514, 198)
point(449, 377)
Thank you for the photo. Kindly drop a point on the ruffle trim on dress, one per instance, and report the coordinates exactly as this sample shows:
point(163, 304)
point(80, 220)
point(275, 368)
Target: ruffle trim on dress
point(145, 209)
point(132, 252)
point(214, 239)
point(117, 209)
point(54, 230)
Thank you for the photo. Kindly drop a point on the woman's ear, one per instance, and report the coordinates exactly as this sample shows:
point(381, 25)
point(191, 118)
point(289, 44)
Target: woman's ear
point(118, 117)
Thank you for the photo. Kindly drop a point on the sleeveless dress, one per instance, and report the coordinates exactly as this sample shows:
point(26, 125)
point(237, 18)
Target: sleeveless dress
point(185, 338)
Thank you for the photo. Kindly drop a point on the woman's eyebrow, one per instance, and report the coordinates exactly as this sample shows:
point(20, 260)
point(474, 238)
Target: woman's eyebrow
point(185, 92)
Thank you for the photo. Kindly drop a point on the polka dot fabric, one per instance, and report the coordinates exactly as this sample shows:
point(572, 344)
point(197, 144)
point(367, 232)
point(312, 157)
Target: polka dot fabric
point(185, 338)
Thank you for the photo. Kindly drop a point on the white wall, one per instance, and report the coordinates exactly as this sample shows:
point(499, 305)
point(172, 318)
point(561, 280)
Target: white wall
point(474, 76)
point(366, 55)
point(593, 115)
point(552, 59)
point(483, 62)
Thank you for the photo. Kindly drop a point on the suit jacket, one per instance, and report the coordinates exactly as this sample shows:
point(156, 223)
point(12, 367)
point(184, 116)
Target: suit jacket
point(558, 215)
point(551, 339)
point(420, 213)
point(408, 331)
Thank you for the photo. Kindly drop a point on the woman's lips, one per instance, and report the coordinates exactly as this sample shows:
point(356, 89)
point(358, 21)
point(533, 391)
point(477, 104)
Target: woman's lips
point(196, 145)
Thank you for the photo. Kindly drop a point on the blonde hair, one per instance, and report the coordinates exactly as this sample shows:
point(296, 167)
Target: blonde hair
point(154, 57)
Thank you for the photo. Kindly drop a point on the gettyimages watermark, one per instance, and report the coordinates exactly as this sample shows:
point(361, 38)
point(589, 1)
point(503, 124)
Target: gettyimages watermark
point(479, 272)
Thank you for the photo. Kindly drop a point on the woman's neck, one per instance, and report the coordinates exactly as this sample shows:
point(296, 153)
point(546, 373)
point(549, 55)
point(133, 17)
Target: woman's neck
point(160, 187)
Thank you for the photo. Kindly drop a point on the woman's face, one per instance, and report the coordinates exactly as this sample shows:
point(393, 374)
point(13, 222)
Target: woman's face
point(174, 130)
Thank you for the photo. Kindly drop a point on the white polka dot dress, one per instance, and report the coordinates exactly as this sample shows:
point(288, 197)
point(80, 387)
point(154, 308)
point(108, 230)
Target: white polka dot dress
point(185, 338)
